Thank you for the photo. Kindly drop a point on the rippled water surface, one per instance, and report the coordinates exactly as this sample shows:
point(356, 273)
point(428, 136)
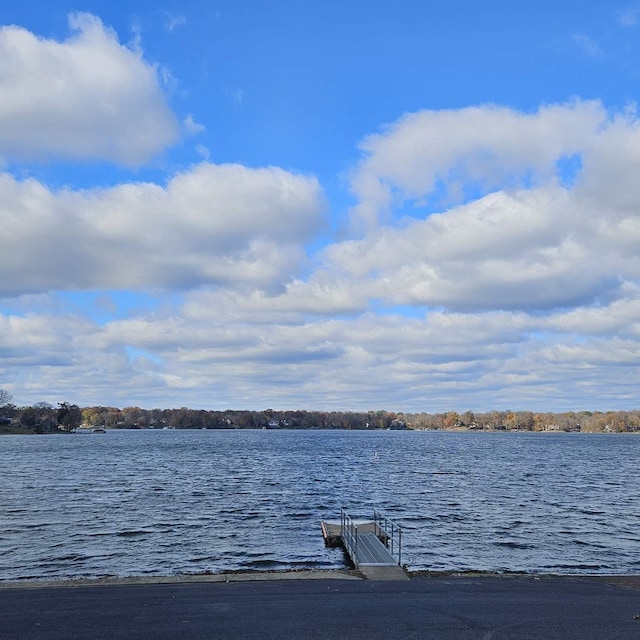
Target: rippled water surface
point(168, 502)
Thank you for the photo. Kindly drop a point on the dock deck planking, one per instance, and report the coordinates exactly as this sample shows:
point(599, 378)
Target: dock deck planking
point(370, 554)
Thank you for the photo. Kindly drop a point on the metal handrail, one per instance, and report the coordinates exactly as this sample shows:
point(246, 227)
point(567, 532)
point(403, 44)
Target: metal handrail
point(387, 530)
point(349, 533)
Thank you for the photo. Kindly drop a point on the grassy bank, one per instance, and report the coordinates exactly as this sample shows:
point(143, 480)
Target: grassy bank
point(15, 430)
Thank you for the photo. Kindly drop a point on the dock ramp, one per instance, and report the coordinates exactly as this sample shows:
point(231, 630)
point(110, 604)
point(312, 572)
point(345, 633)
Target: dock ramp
point(373, 546)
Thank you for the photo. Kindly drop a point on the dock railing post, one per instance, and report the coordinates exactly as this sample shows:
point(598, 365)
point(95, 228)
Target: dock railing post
point(389, 533)
point(355, 551)
point(349, 534)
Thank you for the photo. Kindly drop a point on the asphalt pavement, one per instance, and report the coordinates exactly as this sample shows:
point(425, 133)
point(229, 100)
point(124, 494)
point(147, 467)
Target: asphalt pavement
point(431, 607)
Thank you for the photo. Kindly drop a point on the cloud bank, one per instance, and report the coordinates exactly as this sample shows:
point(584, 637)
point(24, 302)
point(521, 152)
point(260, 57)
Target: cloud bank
point(212, 224)
point(492, 262)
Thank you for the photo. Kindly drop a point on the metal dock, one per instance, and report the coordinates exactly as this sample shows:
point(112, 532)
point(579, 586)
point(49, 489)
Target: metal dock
point(373, 546)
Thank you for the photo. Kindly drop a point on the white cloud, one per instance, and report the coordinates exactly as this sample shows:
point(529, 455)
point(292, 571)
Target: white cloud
point(467, 151)
point(88, 97)
point(620, 318)
point(191, 127)
point(221, 224)
point(174, 20)
point(525, 250)
point(540, 246)
point(588, 45)
point(203, 152)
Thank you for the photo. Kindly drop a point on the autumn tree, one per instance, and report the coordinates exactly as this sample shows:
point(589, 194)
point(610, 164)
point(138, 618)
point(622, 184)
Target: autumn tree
point(451, 419)
point(92, 417)
point(468, 418)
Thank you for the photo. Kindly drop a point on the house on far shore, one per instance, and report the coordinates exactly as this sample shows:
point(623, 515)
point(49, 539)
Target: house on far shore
point(4, 421)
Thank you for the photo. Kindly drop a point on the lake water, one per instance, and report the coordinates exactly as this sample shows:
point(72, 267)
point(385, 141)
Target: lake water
point(168, 502)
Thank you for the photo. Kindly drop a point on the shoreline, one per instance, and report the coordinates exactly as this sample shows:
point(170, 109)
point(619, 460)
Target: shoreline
point(26, 431)
point(631, 581)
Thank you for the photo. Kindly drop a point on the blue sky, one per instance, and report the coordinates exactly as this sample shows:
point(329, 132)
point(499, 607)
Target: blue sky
point(320, 205)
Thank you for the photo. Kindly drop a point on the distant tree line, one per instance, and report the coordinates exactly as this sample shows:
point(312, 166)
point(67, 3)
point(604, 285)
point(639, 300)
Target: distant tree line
point(570, 421)
point(43, 417)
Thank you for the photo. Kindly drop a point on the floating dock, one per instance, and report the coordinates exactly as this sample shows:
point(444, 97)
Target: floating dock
point(373, 546)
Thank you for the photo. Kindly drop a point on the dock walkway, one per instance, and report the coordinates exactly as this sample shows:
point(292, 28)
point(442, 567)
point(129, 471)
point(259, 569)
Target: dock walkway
point(374, 547)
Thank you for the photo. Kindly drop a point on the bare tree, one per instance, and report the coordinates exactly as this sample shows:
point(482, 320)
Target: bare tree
point(5, 398)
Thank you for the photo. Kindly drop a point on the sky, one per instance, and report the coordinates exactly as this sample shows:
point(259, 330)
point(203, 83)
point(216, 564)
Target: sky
point(319, 204)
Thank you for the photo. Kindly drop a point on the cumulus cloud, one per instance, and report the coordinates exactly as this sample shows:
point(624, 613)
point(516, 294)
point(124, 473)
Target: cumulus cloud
point(525, 250)
point(532, 242)
point(463, 153)
point(620, 318)
point(296, 302)
point(87, 97)
point(221, 224)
